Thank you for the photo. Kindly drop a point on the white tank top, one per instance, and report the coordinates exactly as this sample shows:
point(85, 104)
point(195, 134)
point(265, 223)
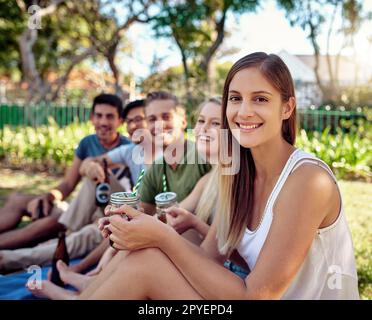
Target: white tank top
point(328, 271)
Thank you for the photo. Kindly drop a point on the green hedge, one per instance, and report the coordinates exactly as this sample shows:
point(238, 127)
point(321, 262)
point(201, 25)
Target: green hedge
point(348, 154)
point(51, 147)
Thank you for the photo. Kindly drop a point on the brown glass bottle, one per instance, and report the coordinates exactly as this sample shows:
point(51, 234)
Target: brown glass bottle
point(61, 253)
point(103, 189)
point(40, 209)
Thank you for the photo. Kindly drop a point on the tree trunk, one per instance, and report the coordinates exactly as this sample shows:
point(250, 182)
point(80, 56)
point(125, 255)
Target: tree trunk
point(110, 55)
point(333, 85)
point(186, 72)
point(206, 60)
point(36, 86)
point(315, 45)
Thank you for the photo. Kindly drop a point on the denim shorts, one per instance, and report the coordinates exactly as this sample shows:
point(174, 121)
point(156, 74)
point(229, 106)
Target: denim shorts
point(239, 271)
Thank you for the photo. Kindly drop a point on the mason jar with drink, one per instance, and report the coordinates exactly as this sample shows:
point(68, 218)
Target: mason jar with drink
point(164, 201)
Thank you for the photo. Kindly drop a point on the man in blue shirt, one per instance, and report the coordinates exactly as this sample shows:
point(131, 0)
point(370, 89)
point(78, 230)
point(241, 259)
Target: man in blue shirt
point(106, 117)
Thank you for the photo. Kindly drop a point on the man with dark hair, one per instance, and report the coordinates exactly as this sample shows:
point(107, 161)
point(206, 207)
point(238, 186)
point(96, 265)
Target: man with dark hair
point(110, 99)
point(136, 104)
point(134, 115)
point(106, 117)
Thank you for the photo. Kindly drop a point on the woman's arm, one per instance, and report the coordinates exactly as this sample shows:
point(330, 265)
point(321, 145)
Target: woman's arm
point(308, 198)
point(182, 220)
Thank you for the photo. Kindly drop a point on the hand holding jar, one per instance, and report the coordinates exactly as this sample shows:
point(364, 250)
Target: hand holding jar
point(138, 232)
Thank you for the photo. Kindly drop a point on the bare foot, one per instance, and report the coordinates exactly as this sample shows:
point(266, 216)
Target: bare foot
point(64, 271)
point(47, 289)
point(77, 280)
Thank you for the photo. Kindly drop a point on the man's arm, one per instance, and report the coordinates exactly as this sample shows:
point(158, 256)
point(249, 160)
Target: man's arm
point(92, 167)
point(61, 192)
point(70, 181)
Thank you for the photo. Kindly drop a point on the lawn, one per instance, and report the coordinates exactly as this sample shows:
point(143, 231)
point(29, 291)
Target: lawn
point(357, 197)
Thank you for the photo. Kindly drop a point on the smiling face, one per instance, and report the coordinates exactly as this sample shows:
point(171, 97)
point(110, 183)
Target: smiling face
point(165, 123)
point(106, 121)
point(207, 130)
point(255, 108)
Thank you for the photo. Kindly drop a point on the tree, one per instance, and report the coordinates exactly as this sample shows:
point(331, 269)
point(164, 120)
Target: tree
point(71, 32)
point(312, 16)
point(10, 29)
point(56, 48)
point(107, 28)
point(198, 30)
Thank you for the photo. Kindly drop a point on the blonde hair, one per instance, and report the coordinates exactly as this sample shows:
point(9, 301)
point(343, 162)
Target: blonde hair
point(207, 202)
point(216, 100)
point(208, 199)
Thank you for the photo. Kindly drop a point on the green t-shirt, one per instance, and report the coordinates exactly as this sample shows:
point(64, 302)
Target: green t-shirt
point(181, 180)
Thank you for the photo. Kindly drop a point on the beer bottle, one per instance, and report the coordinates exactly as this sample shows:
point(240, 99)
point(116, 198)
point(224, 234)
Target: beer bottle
point(103, 189)
point(61, 253)
point(39, 210)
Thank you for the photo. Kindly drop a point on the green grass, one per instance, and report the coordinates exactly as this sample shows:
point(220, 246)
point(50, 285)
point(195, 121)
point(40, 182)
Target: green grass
point(357, 197)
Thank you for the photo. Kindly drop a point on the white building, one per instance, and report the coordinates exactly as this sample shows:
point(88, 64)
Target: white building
point(302, 69)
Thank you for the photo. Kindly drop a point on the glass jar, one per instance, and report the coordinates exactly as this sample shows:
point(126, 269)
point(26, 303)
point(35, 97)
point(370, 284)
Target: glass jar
point(163, 201)
point(118, 199)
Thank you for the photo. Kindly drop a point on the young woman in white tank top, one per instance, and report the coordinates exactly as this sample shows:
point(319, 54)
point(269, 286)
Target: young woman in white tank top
point(328, 271)
point(279, 206)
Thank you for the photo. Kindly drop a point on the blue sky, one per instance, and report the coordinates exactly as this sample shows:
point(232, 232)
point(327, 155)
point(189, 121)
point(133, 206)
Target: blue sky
point(267, 30)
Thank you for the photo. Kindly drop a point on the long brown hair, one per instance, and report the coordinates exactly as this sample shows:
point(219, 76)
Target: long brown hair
point(235, 203)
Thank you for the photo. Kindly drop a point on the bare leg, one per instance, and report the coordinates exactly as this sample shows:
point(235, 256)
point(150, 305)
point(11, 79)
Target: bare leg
point(92, 258)
point(105, 273)
point(34, 233)
point(134, 278)
point(77, 280)
point(51, 291)
point(13, 210)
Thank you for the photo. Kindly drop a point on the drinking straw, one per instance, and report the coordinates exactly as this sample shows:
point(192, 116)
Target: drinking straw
point(164, 183)
point(138, 182)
